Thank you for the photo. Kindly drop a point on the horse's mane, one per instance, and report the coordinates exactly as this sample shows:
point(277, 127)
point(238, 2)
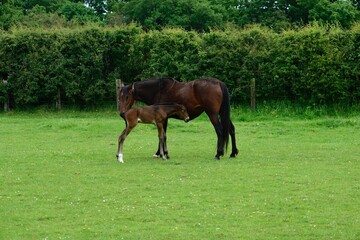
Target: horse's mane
point(160, 78)
point(162, 81)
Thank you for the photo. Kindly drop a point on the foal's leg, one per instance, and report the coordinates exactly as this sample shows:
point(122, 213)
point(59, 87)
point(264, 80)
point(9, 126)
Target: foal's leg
point(121, 140)
point(157, 154)
point(234, 150)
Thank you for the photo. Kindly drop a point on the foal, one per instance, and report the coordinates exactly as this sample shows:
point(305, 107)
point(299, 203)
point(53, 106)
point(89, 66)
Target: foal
point(155, 114)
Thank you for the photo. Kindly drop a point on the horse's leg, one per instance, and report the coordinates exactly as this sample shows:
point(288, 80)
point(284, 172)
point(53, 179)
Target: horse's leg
point(157, 154)
point(218, 129)
point(234, 150)
point(161, 134)
point(121, 140)
point(166, 153)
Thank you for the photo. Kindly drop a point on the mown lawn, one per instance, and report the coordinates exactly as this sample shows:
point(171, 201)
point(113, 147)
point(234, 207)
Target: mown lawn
point(293, 179)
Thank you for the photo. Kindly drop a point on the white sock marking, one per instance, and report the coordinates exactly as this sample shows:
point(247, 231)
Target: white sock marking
point(120, 158)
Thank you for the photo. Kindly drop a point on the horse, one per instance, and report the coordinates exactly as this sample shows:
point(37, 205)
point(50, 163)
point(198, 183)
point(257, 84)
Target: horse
point(155, 114)
point(208, 95)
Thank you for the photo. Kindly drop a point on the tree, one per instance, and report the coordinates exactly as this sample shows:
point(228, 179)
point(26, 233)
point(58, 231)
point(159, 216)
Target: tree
point(79, 12)
point(49, 5)
point(281, 13)
point(271, 13)
point(100, 6)
point(37, 17)
point(356, 4)
point(10, 12)
point(342, 12)
point(198, 15)
point(324, 11)
point(44, 13)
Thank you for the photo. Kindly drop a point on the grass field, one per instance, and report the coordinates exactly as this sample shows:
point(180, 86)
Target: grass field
point(294, 178)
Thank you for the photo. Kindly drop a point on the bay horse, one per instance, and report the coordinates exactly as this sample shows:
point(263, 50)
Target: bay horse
point(155, 114)
point(208, 95)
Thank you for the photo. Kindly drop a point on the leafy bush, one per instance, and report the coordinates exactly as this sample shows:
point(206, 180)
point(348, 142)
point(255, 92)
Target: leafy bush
point(314, 65)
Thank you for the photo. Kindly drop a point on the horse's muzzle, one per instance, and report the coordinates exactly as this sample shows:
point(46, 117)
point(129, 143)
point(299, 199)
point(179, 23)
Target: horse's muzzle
point(187, 119)
point(122, 115)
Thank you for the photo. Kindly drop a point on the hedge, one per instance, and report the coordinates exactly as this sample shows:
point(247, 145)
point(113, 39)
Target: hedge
point(314, 65)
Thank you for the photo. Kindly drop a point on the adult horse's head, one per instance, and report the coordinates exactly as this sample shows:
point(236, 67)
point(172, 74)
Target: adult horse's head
point(125, 99)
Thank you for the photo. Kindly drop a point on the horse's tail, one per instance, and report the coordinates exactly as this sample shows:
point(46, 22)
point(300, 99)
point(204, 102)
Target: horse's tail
point(225, 114)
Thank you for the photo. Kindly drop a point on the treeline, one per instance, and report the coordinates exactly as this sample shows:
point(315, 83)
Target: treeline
point(199, 15)
point(315, 65)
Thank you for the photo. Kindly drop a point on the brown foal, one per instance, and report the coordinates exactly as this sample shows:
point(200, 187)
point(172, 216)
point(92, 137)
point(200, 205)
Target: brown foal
point(155, 114)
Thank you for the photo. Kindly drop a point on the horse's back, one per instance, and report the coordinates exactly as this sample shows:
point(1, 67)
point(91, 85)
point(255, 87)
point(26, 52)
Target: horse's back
point(208, 92)
point(207, 81)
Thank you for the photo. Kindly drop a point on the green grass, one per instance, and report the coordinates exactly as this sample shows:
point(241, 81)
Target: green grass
point(295, 178)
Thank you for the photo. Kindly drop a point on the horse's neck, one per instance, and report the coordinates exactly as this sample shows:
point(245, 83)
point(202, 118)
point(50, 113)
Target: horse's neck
point(144, 92)
point(151, 91)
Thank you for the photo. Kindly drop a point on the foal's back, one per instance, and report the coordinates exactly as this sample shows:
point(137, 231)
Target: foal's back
point(148, 114)
point(155, 113)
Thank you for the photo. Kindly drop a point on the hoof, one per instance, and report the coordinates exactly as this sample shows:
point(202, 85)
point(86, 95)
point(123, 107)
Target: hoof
point(217, 158)
point(218, 155)
point(234, 153)
point(120, 158)
point(156, 156)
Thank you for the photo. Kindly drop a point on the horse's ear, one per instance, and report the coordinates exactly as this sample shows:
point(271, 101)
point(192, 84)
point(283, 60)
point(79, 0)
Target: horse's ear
point(131, 88)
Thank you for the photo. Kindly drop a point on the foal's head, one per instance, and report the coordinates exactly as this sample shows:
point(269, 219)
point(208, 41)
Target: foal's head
point(126, 98)
point(182, 113)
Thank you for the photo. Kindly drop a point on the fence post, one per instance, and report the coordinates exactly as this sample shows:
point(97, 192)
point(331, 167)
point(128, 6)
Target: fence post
point(119, 84)
point(6, 101)
point(253, 93)
point(58, 100)
point(6, 105)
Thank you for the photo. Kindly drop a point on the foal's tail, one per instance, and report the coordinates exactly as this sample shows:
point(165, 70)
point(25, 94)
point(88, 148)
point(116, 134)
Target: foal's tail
point(225, 114)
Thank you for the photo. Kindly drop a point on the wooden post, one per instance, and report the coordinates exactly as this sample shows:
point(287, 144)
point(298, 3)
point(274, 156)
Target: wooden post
point(119, 84)
point(253, 93)
point(6, 106)
point(6, 102)
point(58, 100)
